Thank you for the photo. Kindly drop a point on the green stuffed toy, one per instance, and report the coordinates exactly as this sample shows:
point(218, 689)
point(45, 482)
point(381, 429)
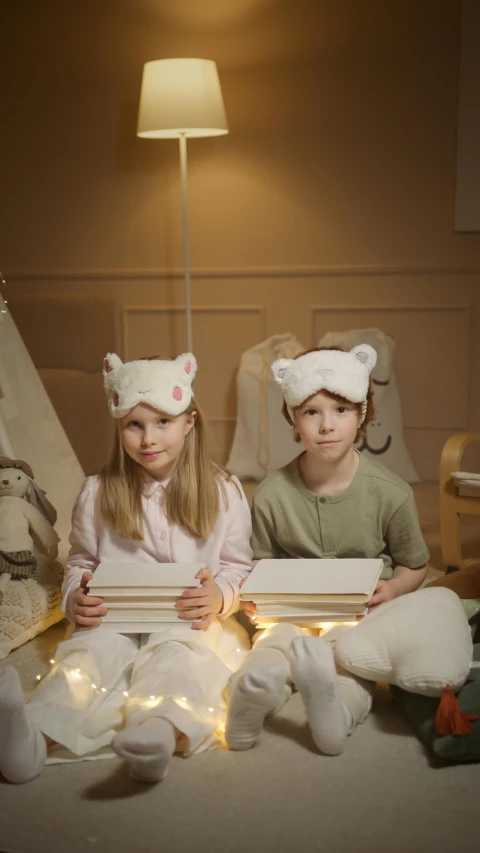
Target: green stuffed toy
point(457, 745)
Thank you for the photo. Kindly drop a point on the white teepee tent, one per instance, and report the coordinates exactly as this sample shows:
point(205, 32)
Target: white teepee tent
point(30, 429)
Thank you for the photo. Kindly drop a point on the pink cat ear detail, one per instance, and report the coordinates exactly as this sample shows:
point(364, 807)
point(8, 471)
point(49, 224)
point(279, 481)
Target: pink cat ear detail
point(177, 393)
point(107, 366)
point(188, 367)
point(116, 400)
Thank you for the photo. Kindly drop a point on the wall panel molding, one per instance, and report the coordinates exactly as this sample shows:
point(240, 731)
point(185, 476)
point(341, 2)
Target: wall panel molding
point(242, 272)
point(128, 310)
point(221, 333)
point(434, 381)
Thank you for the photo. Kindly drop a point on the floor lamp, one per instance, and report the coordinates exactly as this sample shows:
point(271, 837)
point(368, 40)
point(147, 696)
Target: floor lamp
point(182, 98)
point(6, 448)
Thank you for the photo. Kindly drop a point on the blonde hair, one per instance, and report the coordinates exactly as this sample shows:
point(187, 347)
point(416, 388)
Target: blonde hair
point(369, 414)
point(192, 494)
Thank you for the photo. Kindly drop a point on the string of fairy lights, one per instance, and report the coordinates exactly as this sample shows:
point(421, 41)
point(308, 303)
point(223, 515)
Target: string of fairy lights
point(210, 712)
point(3, 310)
point(153, 700)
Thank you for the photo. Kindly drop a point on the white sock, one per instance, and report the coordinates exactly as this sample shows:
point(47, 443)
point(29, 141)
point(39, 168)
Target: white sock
point(314, 673)
point(148, 748)
point(349, 724)
point(255, 694)
point(23, 748)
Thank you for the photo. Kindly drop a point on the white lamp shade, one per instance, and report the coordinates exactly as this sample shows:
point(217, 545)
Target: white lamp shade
point(181, 96)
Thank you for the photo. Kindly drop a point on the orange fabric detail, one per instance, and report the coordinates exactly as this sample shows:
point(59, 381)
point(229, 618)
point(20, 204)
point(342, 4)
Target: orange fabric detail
point(449, 719)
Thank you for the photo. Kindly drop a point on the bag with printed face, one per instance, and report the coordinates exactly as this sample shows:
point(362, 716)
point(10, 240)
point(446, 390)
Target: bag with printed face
point(384, 442)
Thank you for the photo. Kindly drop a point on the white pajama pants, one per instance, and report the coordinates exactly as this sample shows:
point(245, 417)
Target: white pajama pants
point(175, 673)
point(271, 647)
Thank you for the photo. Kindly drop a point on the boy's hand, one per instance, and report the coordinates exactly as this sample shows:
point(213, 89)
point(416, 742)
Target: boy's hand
point(385, 591)
point(201, 604)
point(87, 609)
point(250, 609)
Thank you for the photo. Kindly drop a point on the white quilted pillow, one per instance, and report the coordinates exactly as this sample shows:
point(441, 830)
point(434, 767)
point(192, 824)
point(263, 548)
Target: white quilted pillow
point(420, 642)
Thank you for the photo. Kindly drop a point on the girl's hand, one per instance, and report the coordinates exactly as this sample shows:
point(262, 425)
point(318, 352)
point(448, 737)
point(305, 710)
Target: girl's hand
point(250, 609)
point(385, 591)
point(87, 609)
point(201, 604)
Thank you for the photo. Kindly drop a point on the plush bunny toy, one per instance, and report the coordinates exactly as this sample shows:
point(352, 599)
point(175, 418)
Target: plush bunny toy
point(26, 517)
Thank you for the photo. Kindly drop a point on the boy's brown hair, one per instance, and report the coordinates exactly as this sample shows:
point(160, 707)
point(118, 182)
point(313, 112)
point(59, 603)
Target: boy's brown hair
point(369, 414)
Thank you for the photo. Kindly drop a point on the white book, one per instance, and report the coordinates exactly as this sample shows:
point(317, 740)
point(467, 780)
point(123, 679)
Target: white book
point(153, 604)
point(142, 612)
point(311, 618)
point(287, 606)
point(144, 578)
point(138, 593)
point(319, 610)
point(349, 580)
point(132, 626)
point(314, 621)
point(127, 598)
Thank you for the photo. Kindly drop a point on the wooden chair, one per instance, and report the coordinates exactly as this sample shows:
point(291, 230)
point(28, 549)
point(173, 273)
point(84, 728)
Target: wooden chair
point(452, 505)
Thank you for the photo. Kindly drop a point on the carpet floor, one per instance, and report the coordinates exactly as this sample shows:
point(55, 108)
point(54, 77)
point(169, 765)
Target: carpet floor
point(383, 793)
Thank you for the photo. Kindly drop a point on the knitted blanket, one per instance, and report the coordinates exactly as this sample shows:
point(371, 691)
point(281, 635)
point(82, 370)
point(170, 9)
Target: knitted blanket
point(29, 606)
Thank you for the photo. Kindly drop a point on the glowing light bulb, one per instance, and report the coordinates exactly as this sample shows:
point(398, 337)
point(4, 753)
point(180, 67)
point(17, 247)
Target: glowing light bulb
point(104, 689)
point(94, 686)
point(52, 660)
point(38, 677)
point(125, 692)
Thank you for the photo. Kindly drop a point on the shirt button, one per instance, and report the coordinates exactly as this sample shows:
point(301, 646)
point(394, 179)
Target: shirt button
point(322, 500)
point(162, 537)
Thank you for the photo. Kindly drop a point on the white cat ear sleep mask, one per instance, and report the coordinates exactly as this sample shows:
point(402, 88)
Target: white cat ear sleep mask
point(344, 373)
point(164, 384)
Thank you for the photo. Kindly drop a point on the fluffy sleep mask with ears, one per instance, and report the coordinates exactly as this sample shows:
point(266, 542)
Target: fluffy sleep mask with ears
point(164, 384)
point(344, 373)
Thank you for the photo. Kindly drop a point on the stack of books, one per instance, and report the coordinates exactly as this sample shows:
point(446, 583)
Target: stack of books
point(311, 591)
point(141, 597)
point(467, 483)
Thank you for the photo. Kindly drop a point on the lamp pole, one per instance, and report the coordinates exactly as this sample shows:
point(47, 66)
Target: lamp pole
point(186, 248)
point(179, 98)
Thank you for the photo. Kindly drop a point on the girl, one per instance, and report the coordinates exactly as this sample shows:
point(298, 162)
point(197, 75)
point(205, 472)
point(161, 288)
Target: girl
point(157, 499)
point(331, 501)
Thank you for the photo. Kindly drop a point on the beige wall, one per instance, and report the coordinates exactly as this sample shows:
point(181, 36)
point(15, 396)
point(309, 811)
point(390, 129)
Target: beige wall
point(329, 205)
